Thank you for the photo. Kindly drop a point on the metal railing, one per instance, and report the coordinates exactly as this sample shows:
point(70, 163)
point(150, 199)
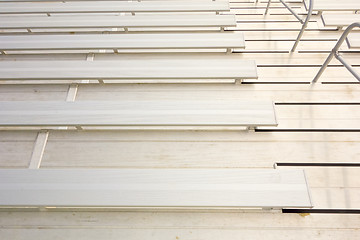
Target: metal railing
point(303, 22)
point(335, 53)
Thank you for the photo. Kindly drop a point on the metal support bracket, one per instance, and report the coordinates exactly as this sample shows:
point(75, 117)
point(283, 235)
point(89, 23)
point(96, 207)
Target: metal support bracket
point(39, 149)
point(71, 95)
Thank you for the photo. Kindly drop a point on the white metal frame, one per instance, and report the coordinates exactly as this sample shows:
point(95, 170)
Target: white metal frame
point(335, 53)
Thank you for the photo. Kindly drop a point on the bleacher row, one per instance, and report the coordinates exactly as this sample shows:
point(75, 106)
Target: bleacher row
point(97, 27)
point(128, 67)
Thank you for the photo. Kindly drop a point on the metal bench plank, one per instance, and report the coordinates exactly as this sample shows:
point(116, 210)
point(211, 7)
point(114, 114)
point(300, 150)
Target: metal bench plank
point(178, 188)
point(133, 67)
point(335, 5)
point(138, 113)
point(101, 22)
point(96, 21)
point(113, 6)
point(339, 20)
point(122, 41)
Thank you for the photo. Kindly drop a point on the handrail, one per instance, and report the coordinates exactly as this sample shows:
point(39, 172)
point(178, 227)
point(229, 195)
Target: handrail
point(311, 5)
point(304, 23)
point(335, 53)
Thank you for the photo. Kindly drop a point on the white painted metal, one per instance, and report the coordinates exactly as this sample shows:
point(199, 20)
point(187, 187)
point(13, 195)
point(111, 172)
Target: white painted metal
point(113, 6)
point(138, 113)
point(133, 67)
point(335, 53)
point(339, 20)
point(122, 41)
point(232, 188)
point(98, 21)
point(353, 40)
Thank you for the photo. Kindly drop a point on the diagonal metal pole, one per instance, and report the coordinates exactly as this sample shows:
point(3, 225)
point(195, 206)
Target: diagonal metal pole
point(305, 23)
point(267, 7)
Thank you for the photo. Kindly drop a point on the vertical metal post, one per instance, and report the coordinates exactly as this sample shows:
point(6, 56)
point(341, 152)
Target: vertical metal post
point(304, 25)
point(323, 67)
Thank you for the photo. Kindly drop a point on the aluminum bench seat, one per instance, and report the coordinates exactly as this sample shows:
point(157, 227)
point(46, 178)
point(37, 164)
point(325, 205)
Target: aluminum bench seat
point(138, 113)
point(353, 41)
point(339, 20)
point(334, 5)
point(112, 7)
point(154, 188)
point(122, 41)
point(130, 67)
point(102, 22)
point(119, 23)
point(80, 0)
